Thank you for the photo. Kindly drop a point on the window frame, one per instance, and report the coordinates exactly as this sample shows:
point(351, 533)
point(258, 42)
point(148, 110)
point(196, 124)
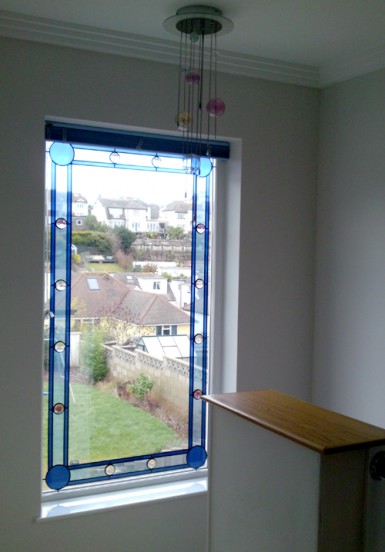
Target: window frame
point(162, 334)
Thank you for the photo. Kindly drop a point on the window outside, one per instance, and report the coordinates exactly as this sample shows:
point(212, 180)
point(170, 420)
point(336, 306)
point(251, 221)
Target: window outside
point(126, 326)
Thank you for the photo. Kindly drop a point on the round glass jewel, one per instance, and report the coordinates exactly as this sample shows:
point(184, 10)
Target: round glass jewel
point(110, 469)
point(198, 338)
point(197, 394)
point(151, 464)
point(199, 283)
point(57, 477)
point(58, 408)
point(62, 153)
point(61, 223)
point(196, 457)
point(200, 228)
point(59, 346)
point(205, 167)
point(60, 285)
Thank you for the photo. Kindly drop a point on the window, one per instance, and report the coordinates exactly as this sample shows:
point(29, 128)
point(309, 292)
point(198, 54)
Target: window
point(166, 330)
point(86, 424)
point(156, 285)
point(93, 283)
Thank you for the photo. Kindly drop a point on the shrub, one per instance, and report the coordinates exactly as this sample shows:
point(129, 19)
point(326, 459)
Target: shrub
point(150, 268)
point(93, 356)
point(142, 386)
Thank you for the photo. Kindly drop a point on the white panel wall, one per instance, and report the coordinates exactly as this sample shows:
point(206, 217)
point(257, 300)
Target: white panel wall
point(350, 308)
point(277, 124)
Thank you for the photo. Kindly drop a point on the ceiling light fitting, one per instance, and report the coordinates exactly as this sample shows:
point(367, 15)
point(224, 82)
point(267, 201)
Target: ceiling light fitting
point(199, 105)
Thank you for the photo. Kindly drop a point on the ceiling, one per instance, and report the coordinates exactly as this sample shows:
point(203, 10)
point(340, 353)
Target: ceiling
point(312, 42)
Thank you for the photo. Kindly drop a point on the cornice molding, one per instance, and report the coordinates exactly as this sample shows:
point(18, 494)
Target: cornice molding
point(36, 29)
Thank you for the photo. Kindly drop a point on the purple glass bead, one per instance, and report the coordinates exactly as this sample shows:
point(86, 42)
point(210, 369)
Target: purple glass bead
point(193, 77)
point(216, 107)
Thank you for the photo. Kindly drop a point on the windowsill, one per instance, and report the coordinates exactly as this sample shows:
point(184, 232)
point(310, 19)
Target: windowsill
point(81, 505)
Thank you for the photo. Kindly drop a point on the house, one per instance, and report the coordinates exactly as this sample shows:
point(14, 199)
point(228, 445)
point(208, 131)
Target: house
point(150, 282)
point(133, 214)
point(301, 308)
point(177, 214)
point(126, 313)
point(79, 211)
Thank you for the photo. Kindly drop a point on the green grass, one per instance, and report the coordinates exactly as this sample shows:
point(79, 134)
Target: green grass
point(104, 427)
point(103, 267)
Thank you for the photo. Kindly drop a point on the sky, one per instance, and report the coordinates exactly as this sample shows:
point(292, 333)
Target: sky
point(152, 187)
point(113, 182)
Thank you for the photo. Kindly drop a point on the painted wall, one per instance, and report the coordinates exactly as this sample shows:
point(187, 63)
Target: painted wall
point(274, 169)
point(349, 367)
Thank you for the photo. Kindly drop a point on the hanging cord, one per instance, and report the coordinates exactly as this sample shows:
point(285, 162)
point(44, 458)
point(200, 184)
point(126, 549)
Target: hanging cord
point(180, 77)
point(191, 94)
point(186, 93)
point(215, 82)
point(209, 89)
point(200, 106)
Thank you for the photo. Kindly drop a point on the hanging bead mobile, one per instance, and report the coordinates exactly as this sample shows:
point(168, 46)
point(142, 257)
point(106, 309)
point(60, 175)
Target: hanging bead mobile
point(199, 105)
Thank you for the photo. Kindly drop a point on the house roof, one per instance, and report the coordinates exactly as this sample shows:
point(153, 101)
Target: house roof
point(132, 280)
point(150, 309)
point(95, 295)
point(123, 203)
point(78, 198)
point(178, 207)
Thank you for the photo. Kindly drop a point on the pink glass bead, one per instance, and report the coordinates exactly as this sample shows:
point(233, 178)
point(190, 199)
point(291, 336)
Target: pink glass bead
point(193, 77)
point(216, 107)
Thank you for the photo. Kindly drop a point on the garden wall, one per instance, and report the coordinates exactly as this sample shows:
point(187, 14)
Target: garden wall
point(171, 376)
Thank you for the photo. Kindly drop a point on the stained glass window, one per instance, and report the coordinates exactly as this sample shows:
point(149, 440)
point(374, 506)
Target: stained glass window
point(119, 401)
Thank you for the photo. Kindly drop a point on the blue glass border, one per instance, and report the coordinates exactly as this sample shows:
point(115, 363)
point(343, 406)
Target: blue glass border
point(60, 473)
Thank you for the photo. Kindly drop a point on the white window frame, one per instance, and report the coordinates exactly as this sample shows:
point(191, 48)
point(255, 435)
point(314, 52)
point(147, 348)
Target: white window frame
point(223, 355)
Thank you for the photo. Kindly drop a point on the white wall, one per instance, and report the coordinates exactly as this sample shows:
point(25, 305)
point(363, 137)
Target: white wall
point(349, 369)
point(278, 127)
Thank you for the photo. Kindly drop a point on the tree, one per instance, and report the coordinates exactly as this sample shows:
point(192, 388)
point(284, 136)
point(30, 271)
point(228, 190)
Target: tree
point(122, 325)
point(99, 242)
point(93, 356)
point(125, 238)
point(92, 223)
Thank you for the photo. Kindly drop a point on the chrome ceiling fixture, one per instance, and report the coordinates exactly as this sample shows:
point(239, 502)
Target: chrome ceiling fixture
point(199, 105)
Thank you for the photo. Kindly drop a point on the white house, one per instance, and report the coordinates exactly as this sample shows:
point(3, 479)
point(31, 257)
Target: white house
point(153, 284)
point(133, 214)
point(177, 214)
point(79, 210)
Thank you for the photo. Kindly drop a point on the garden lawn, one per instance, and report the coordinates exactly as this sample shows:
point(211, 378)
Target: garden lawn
point(103, 267)
point(105, 427)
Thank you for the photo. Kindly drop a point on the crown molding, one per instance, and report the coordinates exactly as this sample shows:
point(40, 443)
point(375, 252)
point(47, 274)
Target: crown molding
point(49, 31)
point(36, 29)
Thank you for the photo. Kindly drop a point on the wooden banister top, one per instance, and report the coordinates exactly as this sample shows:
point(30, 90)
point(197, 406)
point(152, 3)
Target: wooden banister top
point(313, 427)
